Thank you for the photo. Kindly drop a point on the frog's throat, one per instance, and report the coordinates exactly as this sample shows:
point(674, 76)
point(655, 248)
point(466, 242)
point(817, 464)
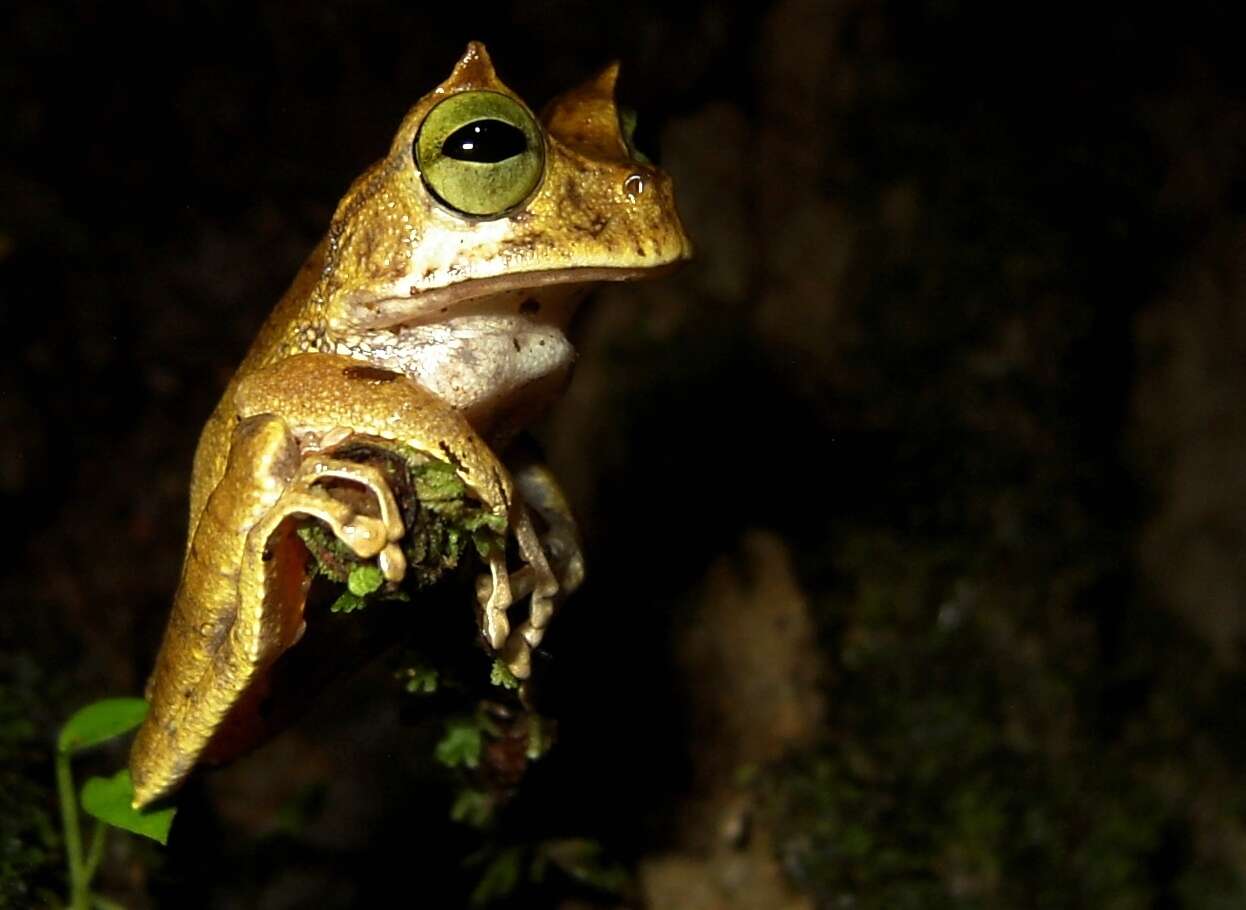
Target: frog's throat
point(369, 311)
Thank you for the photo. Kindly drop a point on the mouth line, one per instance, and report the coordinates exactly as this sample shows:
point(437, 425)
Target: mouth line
point(436, 304)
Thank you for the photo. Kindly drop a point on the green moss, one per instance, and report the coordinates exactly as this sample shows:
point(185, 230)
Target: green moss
point(442, 520)
point(473, 807)
point(501, 675)
point(420, 678)
point(364, 580)
point(461, 744)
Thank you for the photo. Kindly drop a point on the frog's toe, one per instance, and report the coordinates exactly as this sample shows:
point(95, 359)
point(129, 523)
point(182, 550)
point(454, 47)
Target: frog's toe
point(368, 536)
point(392, 562)
point(517, 653)
point(494, 594)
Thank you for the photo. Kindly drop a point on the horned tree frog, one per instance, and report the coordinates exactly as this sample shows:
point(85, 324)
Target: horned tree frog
point(432, 314)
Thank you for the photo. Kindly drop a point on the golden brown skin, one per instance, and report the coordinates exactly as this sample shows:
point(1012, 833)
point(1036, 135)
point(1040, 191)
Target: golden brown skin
point(409, 322)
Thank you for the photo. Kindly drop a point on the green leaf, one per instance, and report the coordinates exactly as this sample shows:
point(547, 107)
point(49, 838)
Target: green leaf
point(582, 859)
point(100, 722)
point(420, 679)
point(109, 799)
point(500, 878)
point(365, 579)
point(461, 745)
point(347, 603)
point(472, 807)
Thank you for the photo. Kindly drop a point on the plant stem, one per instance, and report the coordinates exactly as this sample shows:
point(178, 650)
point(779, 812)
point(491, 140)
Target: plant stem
point(73, 835)
point(95, 853)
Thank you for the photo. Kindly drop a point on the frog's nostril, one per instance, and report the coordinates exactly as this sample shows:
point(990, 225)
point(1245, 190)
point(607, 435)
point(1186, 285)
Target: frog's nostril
point(634, 187)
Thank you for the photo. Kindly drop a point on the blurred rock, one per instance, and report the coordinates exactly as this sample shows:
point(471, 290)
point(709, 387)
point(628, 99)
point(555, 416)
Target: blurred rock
point(749, 657)
point(1190, 433)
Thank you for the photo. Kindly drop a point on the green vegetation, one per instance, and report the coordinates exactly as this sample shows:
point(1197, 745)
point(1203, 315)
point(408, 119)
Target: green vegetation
point(108, 800)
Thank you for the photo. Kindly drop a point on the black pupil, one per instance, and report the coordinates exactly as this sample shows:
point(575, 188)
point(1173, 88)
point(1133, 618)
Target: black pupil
point(485, 141)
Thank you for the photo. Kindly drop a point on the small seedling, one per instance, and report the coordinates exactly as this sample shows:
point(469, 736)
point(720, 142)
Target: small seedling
point(107, 799)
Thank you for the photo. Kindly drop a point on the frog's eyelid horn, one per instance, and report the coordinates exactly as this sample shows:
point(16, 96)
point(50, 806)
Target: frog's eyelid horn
point(474, 70)
point(586, 118)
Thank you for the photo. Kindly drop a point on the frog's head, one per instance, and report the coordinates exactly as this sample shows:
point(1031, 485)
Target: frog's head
point(460, 257)
point(480, 204)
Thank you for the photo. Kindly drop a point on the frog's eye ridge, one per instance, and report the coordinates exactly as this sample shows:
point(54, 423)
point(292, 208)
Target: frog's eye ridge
point(480, 153)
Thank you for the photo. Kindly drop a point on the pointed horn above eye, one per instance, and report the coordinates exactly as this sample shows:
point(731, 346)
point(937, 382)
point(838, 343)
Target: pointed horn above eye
point(586, 118)
point(605, 81)
point(474, 70)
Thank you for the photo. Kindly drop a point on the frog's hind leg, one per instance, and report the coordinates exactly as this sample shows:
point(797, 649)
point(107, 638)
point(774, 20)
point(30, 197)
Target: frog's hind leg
point(240, 601)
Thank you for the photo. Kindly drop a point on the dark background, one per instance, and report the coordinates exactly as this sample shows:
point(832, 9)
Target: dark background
point(914, 506)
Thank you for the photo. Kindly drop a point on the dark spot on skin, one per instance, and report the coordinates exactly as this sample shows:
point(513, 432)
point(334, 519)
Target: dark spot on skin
point(530, 307)
point(370, 374)
point(515, 342)
point(267, 555)
point(571, 192)
point(187, 693)
point(518, 246)
point(450, 456)
point(444, 309)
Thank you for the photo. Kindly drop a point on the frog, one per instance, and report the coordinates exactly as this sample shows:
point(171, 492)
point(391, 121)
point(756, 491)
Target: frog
point(433, 315)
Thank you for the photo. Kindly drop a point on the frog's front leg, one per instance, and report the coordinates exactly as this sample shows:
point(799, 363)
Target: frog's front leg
point(371, 402)
point(240, 601)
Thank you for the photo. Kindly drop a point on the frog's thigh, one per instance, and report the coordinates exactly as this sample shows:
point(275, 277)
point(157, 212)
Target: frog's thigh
point(240, 601)
point(200, 669)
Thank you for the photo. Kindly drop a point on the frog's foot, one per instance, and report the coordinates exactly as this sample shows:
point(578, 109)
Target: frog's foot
point(535, 580)
point(367, 536)
point(540, 491)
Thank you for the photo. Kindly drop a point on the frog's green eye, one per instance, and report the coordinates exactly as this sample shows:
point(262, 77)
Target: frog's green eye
point(480, 153)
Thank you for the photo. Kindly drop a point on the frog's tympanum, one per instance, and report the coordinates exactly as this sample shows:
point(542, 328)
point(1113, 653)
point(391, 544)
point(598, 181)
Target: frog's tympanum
point(432, 315)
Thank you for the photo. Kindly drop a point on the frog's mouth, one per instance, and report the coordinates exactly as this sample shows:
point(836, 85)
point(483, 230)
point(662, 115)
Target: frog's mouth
point(539, 295)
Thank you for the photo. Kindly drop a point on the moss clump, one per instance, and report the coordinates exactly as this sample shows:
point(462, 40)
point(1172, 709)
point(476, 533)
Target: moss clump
point(441, 517)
